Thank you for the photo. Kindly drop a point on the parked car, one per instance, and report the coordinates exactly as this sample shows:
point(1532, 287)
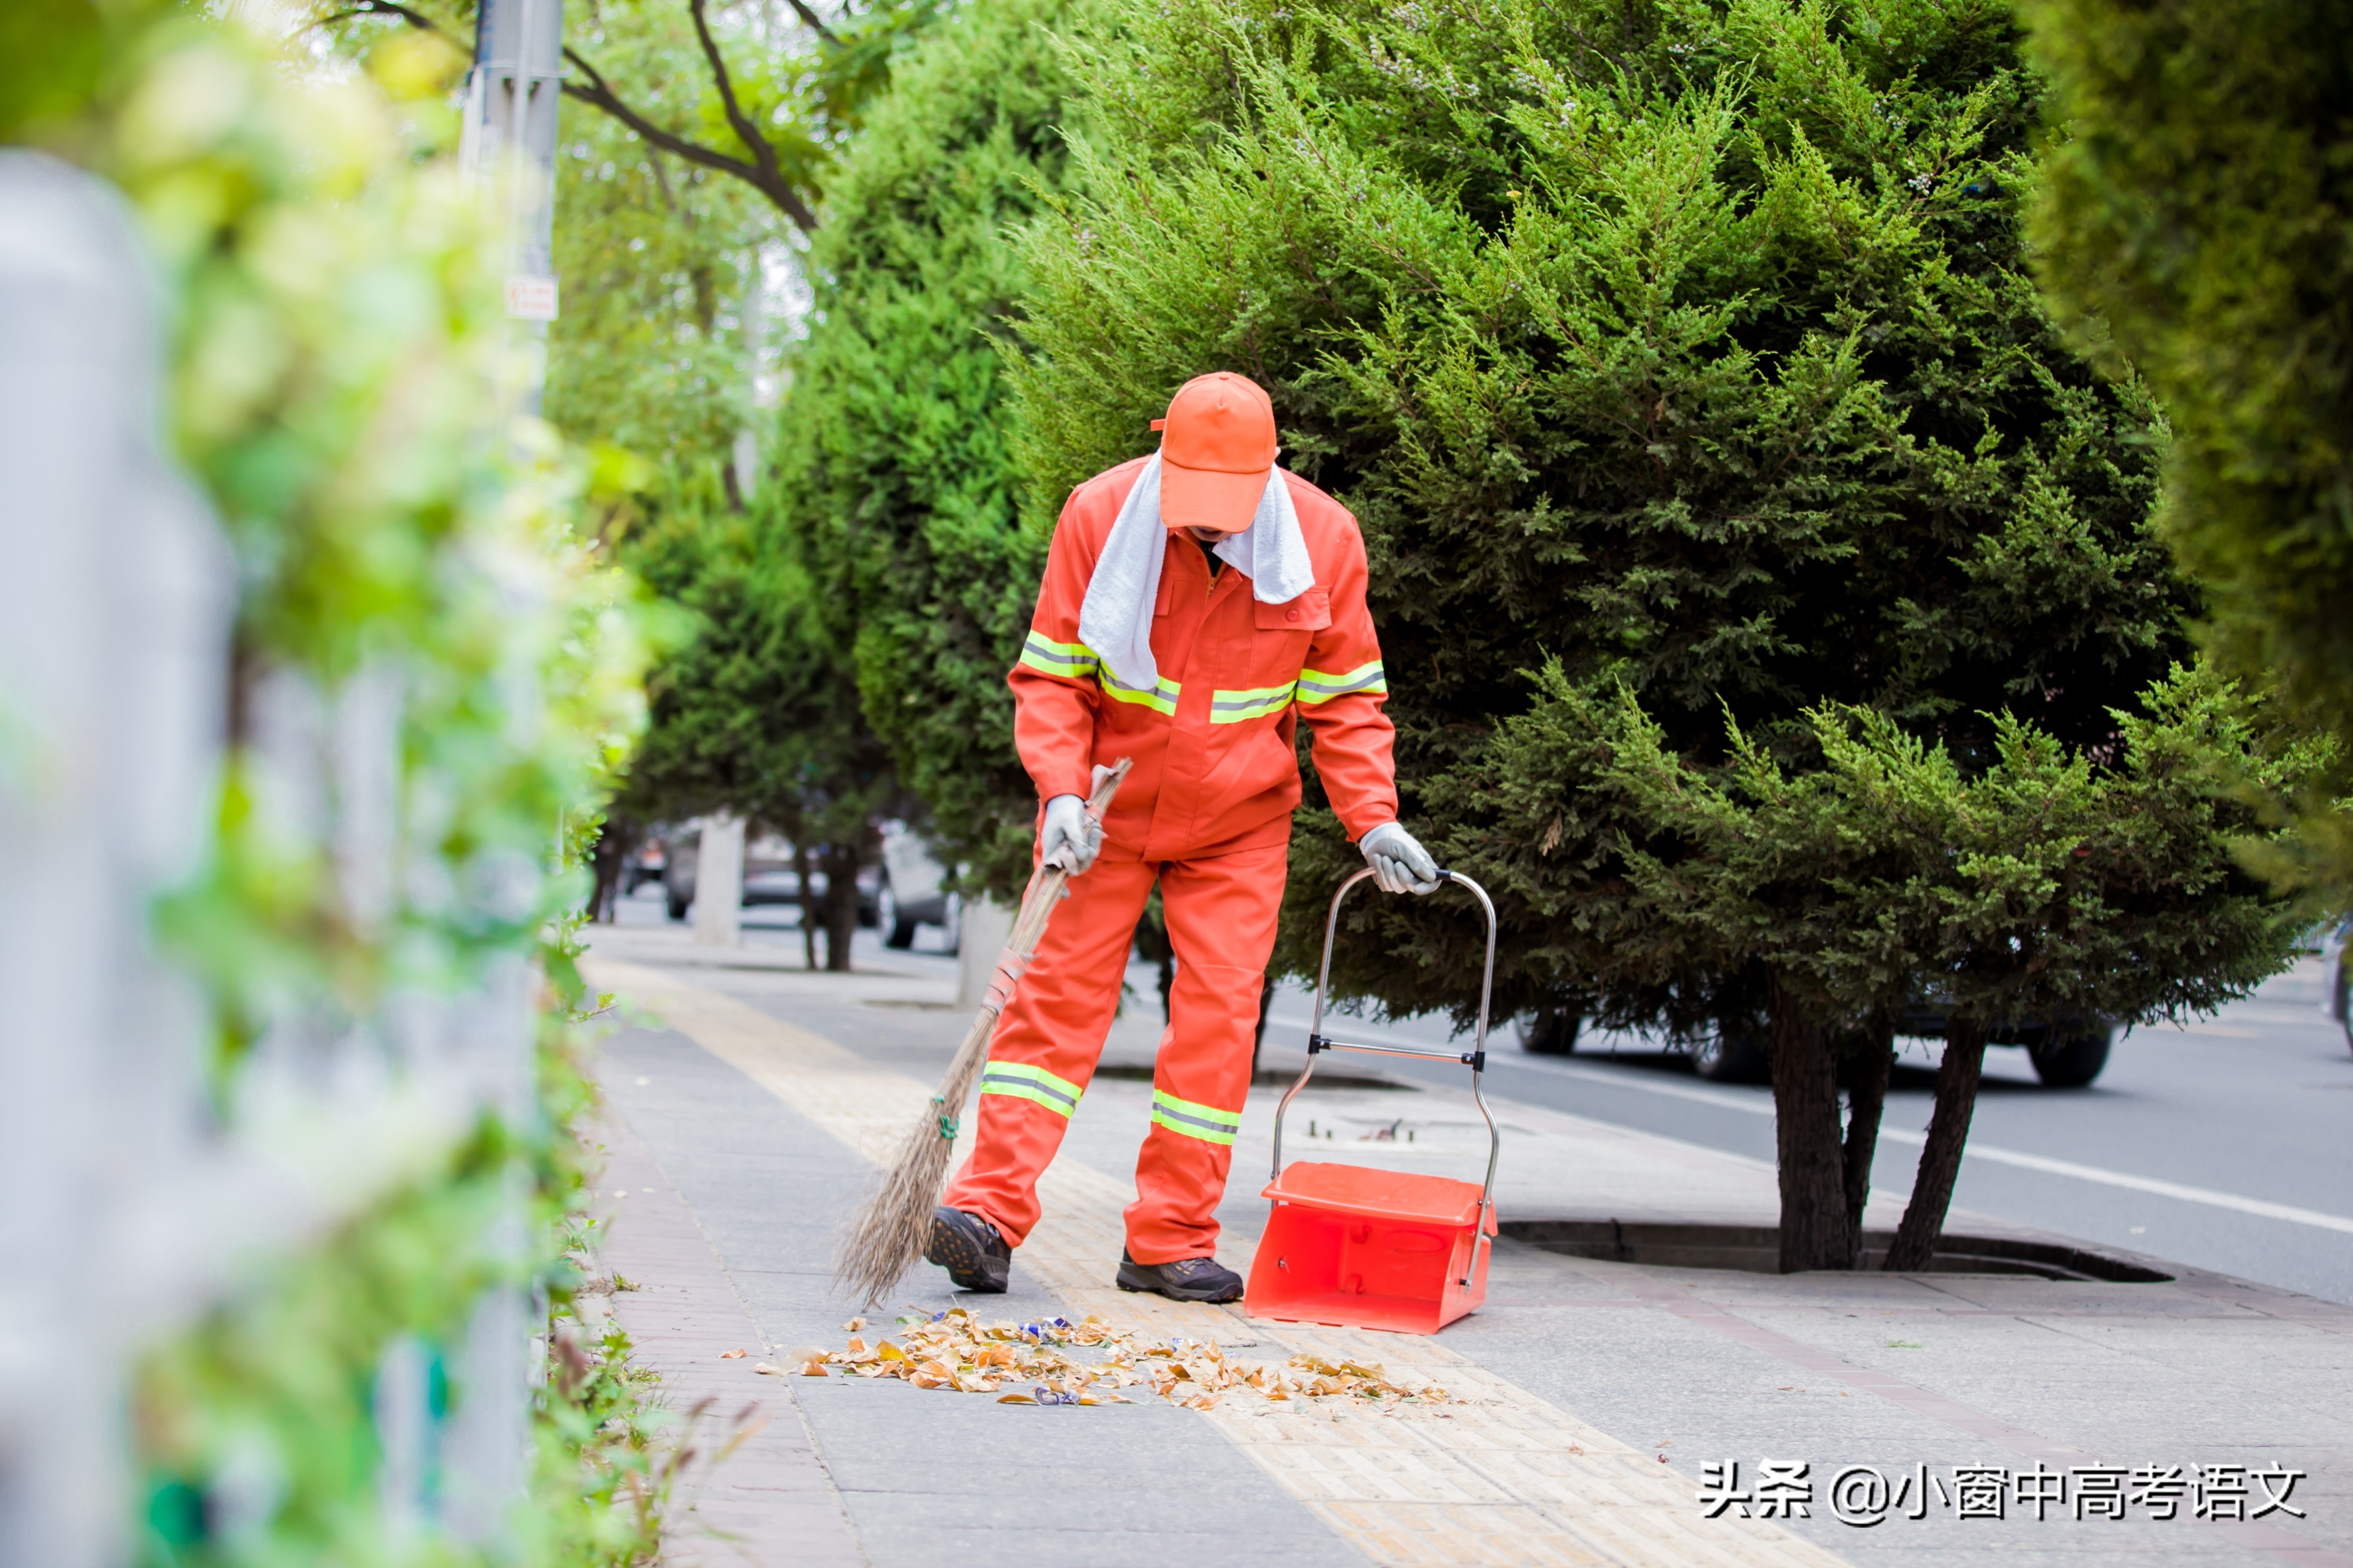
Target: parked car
point(644, 864)
point(2065, 1054)
point(911, 894)
point(768, 877)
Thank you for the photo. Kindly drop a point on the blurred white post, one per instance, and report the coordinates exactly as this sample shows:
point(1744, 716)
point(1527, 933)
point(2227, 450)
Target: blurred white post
point(113, 658)
point(719, 883)
point(988, 926)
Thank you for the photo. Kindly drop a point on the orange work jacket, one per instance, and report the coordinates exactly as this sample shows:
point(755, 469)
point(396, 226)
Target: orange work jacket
point(1216, 756)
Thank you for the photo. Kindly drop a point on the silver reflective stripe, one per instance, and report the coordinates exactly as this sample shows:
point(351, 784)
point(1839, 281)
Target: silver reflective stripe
point(1315, 686)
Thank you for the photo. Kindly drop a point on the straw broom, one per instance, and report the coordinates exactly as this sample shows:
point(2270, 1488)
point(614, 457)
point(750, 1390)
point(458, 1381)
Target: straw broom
point(885, 1238)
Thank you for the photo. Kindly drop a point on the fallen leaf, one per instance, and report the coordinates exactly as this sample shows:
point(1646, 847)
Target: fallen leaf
point(764, 1369)
point(737, 1354)
point(855, 1324)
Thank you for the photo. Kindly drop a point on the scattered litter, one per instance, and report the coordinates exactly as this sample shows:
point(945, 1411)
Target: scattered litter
point(1029, 1364)
point(735, 1355)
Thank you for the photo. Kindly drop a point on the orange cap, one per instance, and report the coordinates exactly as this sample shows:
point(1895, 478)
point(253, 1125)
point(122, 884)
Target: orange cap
point(1214, 454)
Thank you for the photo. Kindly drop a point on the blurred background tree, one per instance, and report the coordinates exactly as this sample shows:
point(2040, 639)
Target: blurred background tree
point(896, 485)
point(683, 205)
point(2195, 220)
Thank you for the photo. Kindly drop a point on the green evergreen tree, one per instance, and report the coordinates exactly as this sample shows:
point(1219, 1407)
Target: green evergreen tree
point(2196, 218)
point(755, 713)
point(2034, 886)
point(1689, 349)
point(898, 490)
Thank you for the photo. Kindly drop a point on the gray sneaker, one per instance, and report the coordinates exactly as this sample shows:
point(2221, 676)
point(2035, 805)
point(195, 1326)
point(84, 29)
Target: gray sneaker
point(969, 1248)
point(1186, 1279)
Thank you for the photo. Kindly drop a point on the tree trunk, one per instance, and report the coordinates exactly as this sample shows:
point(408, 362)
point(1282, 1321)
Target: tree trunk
point(841, 905)
point(1814, 1229)
point(1865, 1100)
point(808, 904)
point(1940, 1160)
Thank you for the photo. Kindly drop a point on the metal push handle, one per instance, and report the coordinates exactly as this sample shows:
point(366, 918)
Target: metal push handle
point(1475, 1059)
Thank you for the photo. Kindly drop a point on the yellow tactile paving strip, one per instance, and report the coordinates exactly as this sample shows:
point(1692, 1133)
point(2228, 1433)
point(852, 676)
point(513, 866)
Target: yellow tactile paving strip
point(1506, 1478)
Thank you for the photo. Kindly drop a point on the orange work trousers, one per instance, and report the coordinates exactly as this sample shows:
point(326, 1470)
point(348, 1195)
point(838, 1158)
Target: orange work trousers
point(1222, 916)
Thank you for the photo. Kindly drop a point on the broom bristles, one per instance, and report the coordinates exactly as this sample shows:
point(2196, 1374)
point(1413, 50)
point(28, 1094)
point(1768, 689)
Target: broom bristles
point(883, 1240)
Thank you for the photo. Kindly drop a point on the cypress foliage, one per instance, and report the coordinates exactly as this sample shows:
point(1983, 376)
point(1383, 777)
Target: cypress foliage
point(2197, 217)
point(1687, 346)
point(1687, 350)
point(897, 485)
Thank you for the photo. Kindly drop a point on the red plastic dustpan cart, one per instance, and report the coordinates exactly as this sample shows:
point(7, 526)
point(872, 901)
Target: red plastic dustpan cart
point(1378, 1250)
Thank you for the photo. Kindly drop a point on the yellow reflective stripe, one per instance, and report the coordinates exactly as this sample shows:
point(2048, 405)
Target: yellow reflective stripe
point(1018, 1080)
point(1257, 702)
point(1206, 1122)
point(1160, 699)
point(1319, 686)
point(1072, 660)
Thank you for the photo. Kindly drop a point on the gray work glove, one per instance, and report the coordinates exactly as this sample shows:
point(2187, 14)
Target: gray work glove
point(1399, 864)
point(1069, 838)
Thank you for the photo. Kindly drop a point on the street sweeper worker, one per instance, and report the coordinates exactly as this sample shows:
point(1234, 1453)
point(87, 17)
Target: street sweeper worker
point(1198, 603)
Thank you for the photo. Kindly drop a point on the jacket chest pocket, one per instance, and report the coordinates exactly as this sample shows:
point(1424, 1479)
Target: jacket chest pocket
point(1281, 635)
point(1311, 612)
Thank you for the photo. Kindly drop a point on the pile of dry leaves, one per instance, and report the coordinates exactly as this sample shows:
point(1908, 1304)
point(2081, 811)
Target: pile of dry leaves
point(1030, 1363)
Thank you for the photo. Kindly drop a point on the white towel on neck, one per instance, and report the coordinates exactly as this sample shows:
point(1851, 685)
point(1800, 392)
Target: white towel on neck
point(1116, 620)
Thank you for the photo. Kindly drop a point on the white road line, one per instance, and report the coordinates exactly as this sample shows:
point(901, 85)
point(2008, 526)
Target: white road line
point(2188, 1195)
point(1757, 1104)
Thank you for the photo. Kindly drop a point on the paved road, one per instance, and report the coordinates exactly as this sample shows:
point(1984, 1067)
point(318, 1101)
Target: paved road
point(2241, 1122)
point(2243, 1115)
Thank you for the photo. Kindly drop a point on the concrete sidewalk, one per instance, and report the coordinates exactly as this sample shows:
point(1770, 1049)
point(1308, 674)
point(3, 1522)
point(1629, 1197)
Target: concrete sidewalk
point(744, 1124)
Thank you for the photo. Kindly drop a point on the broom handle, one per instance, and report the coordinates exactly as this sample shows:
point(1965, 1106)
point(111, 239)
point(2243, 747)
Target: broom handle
point(1037, 901)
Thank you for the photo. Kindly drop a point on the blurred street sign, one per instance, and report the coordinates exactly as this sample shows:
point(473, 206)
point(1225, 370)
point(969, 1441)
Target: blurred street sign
point(530, 299)
point(509, 144)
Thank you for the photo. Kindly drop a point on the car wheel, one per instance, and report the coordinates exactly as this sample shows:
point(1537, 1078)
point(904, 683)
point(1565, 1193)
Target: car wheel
point(674, 904)
point(1548, 1031)
point(1729, 1058)
point(896, 933)
point(2071, 1059)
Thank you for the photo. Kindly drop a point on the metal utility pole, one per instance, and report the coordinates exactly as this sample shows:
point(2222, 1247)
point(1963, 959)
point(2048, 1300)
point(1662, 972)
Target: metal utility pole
point(510, 144)
point(509, 148)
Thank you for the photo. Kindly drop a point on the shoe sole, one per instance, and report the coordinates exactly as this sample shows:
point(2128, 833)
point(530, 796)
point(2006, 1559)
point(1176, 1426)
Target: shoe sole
point(1136, 1285)
point(966, 1264)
